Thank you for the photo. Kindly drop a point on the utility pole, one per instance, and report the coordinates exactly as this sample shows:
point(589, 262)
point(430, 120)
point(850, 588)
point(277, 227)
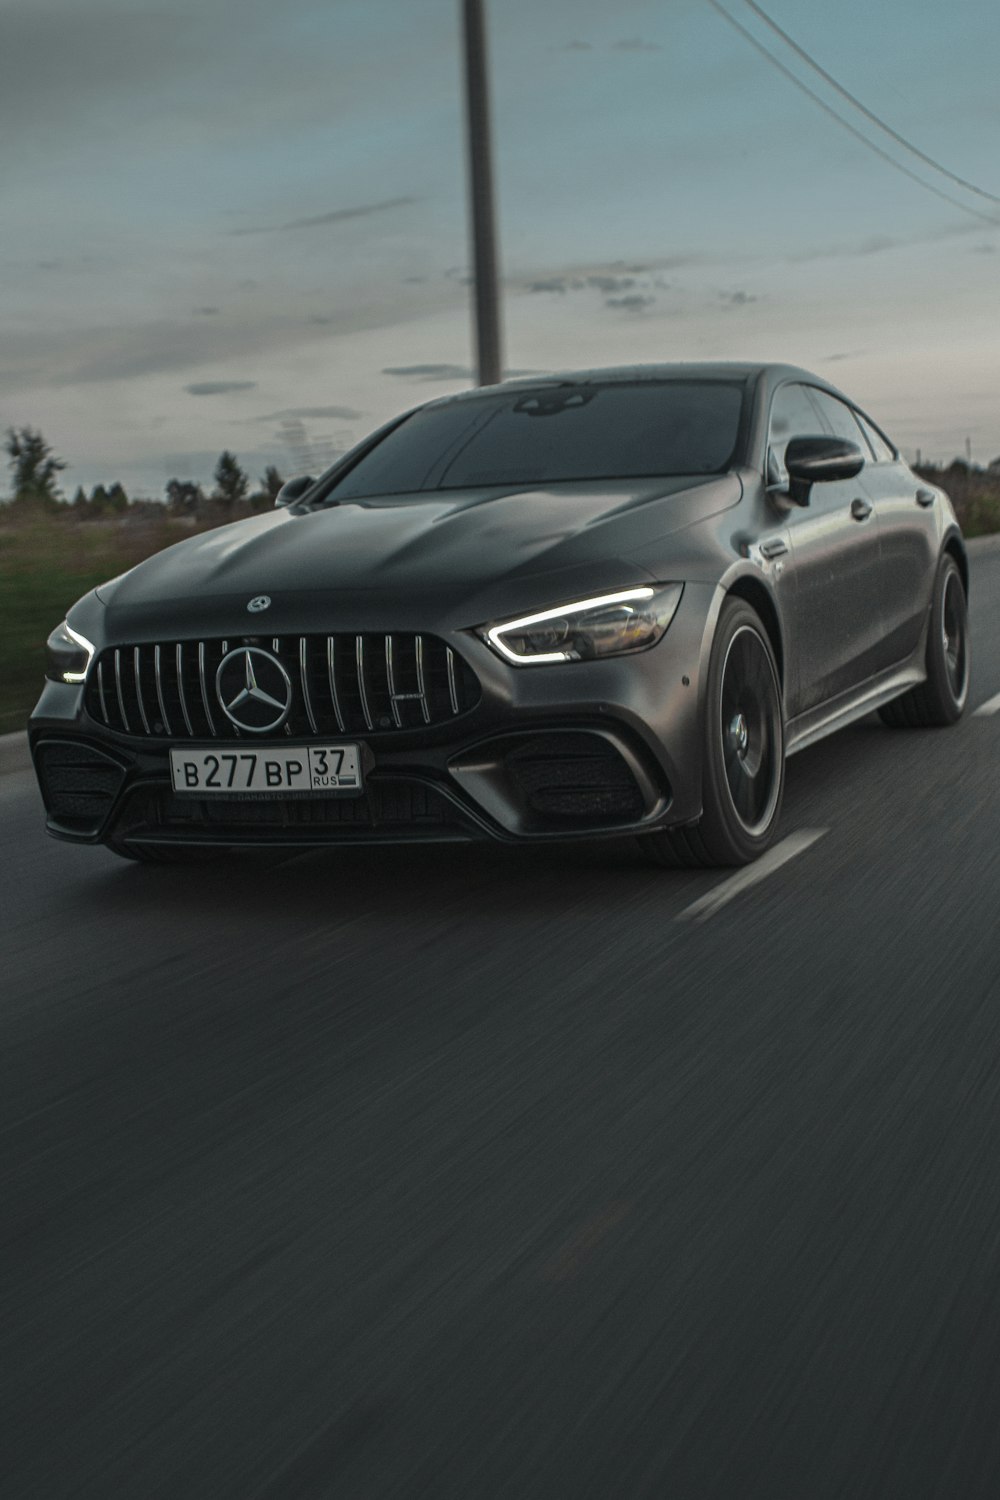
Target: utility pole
point(485, 277)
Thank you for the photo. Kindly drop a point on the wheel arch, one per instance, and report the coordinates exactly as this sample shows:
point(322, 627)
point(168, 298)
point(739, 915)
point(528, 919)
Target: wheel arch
point(954, 545)
point(754, 593)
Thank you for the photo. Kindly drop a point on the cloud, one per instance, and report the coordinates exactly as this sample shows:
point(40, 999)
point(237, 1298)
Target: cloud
point(449, 372)
point(576, 47)
point(341, 413)
point(335, 216)
point(832, 359)
point(205, 312)
point(738, 298)
point(635, 44)
point(219, 387)
point(599, 281)
point(632, 302)
point(611, 283)
point(429, 372)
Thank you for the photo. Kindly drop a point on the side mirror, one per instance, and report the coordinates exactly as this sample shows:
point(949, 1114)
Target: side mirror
point(819, 460)
point(293, 489)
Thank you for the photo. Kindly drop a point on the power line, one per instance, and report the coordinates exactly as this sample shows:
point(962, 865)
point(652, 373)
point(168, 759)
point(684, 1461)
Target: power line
point(868, 113)
point(846, 124)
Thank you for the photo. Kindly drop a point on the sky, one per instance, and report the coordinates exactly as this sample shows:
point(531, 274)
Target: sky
point(239, 225)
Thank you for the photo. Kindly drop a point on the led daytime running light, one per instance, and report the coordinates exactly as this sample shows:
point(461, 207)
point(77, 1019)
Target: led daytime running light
point(495, 635)
point(81, 640)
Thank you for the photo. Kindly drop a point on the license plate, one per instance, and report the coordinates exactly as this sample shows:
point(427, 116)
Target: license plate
point(295, 770)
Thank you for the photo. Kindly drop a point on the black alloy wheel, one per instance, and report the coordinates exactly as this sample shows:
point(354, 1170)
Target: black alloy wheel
point(743, 770)
point(941, 699)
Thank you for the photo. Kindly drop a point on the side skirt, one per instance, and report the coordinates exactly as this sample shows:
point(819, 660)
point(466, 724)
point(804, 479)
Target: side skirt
point(839, 712)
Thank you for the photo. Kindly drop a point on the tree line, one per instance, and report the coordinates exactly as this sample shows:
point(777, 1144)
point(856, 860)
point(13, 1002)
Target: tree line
point(35, 471)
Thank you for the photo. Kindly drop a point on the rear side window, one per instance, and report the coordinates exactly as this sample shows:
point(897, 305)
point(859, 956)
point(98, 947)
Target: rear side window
point(840, 418)
point(883, 450)
point(556, 433)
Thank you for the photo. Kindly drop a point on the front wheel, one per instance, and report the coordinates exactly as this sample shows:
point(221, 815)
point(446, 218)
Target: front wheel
point(940, 700)
point(743, 751)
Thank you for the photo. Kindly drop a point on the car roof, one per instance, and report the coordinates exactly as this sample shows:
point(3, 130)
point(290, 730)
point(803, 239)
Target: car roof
point(721, 370)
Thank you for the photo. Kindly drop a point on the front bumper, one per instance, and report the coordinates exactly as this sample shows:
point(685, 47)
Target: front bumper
point(577, 751)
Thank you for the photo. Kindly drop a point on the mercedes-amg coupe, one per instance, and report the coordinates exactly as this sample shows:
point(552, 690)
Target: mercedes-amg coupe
point(599, 603)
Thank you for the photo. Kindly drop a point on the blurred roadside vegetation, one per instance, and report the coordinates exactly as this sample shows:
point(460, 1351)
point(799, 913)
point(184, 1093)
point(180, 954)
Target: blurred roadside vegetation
point(53, 550)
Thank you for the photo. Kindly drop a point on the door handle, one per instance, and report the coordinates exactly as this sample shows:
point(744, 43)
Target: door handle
point(925, 497)
point(773, 547)
point(860, 509)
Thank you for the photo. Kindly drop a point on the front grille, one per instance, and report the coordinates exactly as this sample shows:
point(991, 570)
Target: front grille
point(578, 775)
point(341, 684)
point(79, 783)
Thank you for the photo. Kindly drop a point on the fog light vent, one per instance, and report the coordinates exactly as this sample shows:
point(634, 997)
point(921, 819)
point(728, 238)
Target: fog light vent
point(577, 776)
point(79, 783)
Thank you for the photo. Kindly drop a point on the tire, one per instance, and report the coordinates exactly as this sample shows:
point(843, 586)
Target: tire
point(941, 699)
point(743, 751)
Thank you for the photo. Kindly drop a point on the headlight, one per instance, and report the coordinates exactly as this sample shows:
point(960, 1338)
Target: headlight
point(607, 626)
point(69, 654)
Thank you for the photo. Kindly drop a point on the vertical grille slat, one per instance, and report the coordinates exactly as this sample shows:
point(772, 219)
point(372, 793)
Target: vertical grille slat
point(304, 680)
point(342, 684)
point(204, 688)
point(179, 658)
point(359, 657)
point(100, 692)
point(452, 684)
point(391, 679)
point(137, 667)
point(421, 684)
point(158, 675)
point(118, 690)
point(331, 672)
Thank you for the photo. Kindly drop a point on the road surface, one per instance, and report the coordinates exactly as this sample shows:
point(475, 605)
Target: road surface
point(473, 1172)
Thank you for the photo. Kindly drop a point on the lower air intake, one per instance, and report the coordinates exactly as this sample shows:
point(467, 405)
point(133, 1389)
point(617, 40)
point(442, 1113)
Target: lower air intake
point(79, 783)
point(574, 777)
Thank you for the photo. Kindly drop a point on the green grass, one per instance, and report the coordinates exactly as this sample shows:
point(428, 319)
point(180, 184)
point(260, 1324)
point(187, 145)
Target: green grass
point(45, 565)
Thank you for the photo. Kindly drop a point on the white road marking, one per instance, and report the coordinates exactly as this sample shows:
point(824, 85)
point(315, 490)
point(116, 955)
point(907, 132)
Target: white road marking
point(991, 706)
point(706, 906)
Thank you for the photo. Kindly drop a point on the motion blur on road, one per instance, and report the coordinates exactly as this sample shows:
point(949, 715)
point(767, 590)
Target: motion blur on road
point(470, 1172)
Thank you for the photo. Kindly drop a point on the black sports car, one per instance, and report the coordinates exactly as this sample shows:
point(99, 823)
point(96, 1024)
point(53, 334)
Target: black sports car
point(598, 603)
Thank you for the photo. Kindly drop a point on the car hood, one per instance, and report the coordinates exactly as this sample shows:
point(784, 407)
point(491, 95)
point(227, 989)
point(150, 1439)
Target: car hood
point(470, 553)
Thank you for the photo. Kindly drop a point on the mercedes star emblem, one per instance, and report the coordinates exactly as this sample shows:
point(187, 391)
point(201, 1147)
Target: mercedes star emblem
point(254, 690)
point(259, 602)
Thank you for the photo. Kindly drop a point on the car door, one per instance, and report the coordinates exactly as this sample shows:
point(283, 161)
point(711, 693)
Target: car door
point(908, 535)
point(837, 627)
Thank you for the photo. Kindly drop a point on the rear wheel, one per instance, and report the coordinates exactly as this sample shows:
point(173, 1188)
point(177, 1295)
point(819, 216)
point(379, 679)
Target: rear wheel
point(940, 700)
point(743, 751)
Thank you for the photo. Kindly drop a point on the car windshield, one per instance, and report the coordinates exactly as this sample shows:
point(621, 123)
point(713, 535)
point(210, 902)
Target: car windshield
point(551, 434)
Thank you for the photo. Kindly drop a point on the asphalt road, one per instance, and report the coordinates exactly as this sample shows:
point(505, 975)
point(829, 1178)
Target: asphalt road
point(471, 1172)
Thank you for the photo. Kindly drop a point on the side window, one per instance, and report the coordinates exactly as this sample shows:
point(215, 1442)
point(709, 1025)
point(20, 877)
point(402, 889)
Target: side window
point(792, 415)
point(883, 450)
point(840, 419)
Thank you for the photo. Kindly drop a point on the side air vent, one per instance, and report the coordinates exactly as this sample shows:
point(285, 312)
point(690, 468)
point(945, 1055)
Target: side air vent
point(79, 783)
